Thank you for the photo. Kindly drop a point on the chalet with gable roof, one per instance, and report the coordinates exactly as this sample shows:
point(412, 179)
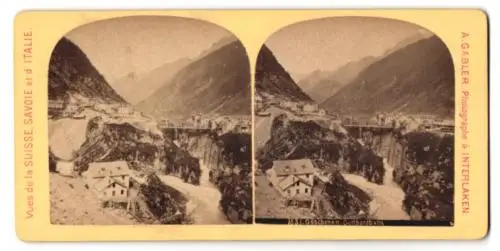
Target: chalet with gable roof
point(292, 178)
point(110, 181)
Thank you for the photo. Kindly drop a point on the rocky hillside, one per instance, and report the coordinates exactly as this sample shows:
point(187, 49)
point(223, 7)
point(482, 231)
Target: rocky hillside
point(71, 73)
point(320, 85)
point(272, 78)
point(216, 83)
point(330, 152)
point(418, 78)
point(107, 140)
point(135, 87)
point(297, 139)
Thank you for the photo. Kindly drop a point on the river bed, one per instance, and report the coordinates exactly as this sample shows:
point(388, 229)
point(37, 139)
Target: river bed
point(203, 204)
point(387, 199)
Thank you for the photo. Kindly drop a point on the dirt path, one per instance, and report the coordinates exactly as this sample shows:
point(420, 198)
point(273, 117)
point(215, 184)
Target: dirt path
point(66, 136)
point(263, 126)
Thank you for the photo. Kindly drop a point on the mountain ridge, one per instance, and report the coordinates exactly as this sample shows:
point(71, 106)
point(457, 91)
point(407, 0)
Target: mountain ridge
point(272, 78)
point(219, 82)
point(320, 85)
point(72, 73)
point(418, 78)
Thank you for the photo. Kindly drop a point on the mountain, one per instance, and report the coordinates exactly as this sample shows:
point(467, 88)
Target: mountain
point(72, 74)
point(216, 83)
point(407, 41)
point(272, 78)
point(135, 88)
point(418, 78)
point(217, 45)
point(320, 85)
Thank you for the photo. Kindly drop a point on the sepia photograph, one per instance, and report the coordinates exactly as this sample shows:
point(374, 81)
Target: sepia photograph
point(150, 123)
point(354, 122)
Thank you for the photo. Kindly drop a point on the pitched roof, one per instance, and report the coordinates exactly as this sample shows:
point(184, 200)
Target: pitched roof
point(291, 180)
point(298, 166)
point(102, 184)
point(103, 169)
point(107, 182)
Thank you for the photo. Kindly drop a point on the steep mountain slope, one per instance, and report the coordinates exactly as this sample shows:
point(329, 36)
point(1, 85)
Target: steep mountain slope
point(71, 73)
point(417, 78)
point(321, 85)
point(216, 83)
point(350, 71)
point(135, 88)
point(272, 78)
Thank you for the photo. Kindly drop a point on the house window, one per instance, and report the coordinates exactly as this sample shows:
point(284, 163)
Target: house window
point(123, 177)
point(114, 184)
point(306, 190)
point(307, 176)
point(124, 191)
point(298, 190)
point(288, 192)
point(113, 194)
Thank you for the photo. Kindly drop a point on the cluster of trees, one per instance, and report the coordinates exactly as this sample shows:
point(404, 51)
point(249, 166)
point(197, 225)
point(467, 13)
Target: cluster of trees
point(166, 205)
point(364, 161)
point(236, 199)
point(233, 176)
point(112, 141)
point(427, 177)
point(180, 163)
point(347, 200)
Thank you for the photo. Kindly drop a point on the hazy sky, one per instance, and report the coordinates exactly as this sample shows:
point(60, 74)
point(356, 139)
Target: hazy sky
point(327, 44)
point(117, 47)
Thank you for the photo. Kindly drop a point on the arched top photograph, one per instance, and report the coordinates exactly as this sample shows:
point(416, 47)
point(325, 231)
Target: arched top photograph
point(137, 108)
point(368, 103)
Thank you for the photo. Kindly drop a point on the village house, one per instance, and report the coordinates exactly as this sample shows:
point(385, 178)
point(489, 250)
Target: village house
point(163, 123)
point(56, 106)
point(66, 168)
point(321, 112)
point(110, 181)
point(310, 107)
point(122, 109)
point(292, 178)
point(244, 128)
